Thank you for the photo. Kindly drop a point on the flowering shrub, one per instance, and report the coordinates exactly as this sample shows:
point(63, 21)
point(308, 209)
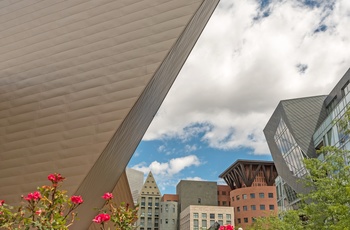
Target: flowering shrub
point(226, 227)
point(122, 217)
point(49, 208)
point(46, 208)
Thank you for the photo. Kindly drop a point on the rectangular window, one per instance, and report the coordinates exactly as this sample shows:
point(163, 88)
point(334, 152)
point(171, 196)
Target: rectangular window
point(262, 207)
point(245, 220)
point(245, 208)
point(237, 197)
point(221, 222)
point(220, 216)
point(195, 215)
point(204, 216)
point(238, 209)
point(272, 207)
point(270, 195)
point(239, 220)
point(261, 195)
point(228, 216)
point(253, 207)
point(252, 195)
point(204, 224)
point(223, 192)
point(244, 196)
point(212, 216)
point(195, 223)
point(212, 222)
point(224, 203)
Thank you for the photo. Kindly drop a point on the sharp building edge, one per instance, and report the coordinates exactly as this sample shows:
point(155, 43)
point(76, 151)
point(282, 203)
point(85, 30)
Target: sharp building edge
point(80, 83)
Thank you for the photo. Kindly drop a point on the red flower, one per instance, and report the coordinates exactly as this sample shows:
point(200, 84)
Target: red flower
point(100, 218)
point(2, 202)
point(229, 227)
point(55, 178)
point(33, 196)
point(107, 196)
point(76, 199)
point(38, 212)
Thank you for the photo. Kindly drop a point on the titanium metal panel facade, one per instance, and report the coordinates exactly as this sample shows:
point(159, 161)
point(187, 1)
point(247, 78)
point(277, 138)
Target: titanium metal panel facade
point(80, 82)
point(301, 117)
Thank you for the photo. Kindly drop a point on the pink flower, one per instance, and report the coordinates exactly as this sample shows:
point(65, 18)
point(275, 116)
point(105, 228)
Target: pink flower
point(33, 196)
point(38, 212)
point(100, 218)
point(2, 202)
point(229, 227)
point(107, 196)
point(222, 227)
point(76, 199)
point(55, 178)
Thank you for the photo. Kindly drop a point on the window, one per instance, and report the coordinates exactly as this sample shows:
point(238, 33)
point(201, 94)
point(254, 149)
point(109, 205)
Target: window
point(199, 200)
point(245, 220)
point(262, 207)
point(261, 195)
point(166, 221)
point(253, 207)
point(252, 195)
point(270, 195)
point(233, 198)
point(223, 193)
point(204, 224)
point(195, 215)
point(221, 222)
point(237, 197)
point(228, 222)
point(204, 216)
point(212, 216)
point(272, 207)
point(245, 208)
point(239, 220)
point(212, 222)
point(195, 223)
point(238, 209)
point(224, 203)
point(228, 216)
point(244, 196)
point(220, 217)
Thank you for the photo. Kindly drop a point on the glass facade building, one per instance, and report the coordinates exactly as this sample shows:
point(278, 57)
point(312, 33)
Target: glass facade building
point(297, 129)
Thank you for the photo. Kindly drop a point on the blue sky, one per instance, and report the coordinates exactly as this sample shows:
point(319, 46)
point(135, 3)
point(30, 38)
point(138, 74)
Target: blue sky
point(251, 55)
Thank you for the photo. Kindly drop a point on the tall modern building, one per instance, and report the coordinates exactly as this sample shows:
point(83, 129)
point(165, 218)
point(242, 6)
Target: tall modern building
point(297, 128)
point(149, 205)
point(80, 83)
point(253, 191)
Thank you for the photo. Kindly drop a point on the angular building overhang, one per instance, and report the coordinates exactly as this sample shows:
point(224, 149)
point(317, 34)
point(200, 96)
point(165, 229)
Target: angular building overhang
point(242, 173)
point(301, 116)
point(80, 83)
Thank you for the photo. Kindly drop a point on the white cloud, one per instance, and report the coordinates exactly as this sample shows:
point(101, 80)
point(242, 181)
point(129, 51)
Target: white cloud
point(196, 178)
point(241, 68)
point(165, 172)
point(190, 148)
point(170, 168)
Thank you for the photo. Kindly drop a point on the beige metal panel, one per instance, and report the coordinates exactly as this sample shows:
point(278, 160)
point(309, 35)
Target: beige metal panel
point(80, 81)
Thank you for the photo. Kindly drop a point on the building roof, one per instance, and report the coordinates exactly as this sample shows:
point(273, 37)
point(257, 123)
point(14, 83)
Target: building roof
point(242, 173)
